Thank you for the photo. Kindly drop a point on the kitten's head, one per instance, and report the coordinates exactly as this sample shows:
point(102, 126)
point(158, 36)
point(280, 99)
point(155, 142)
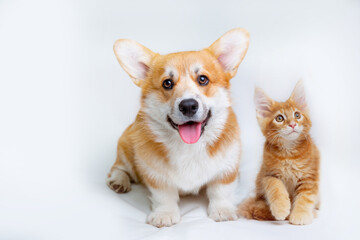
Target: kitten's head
point(283, 121)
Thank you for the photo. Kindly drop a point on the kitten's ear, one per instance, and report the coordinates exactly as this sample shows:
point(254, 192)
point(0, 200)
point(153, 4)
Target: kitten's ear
point(262, 103)
point(230, 49)
point(298, 96)
point(134, 58)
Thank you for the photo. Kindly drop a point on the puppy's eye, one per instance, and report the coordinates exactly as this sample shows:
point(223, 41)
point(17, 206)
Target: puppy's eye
point(168, 84)
point(279, 118)
point(297, 115)
point(203, 80)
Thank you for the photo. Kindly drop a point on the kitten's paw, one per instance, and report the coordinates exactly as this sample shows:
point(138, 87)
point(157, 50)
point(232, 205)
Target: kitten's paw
point(163, 219)
point(280, 209)
point(225, 213)
point(119, 181)
point(301, 217)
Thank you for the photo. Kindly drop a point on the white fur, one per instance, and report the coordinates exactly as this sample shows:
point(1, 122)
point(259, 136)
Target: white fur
point(165, 209)
point(221, 202)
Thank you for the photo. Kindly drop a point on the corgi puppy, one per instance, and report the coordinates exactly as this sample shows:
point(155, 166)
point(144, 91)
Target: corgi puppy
point(185, 135)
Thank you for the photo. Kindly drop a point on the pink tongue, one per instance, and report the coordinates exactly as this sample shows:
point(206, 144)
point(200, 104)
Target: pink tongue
point(190, 133)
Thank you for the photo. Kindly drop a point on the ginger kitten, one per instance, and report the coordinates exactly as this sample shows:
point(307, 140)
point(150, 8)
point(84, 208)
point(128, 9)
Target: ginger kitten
point(288, 182)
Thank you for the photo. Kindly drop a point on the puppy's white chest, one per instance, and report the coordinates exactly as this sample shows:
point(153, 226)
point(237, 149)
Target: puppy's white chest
point(192, 167)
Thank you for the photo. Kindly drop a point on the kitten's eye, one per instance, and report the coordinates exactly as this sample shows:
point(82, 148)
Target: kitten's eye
point(203, 80)
point(297, 115)
point(279, 118)
point(168, 84)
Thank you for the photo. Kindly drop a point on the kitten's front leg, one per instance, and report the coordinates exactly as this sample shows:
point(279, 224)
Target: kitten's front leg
point(221, 201)
point(165, 209)
point(304, 204)
point(277, 197)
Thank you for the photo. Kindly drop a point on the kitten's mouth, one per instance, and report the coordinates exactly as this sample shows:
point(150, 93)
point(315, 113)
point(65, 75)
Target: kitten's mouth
point(293, 131)
point(191, 131)
point(291, 135)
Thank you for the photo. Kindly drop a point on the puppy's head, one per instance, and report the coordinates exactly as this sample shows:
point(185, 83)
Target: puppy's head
point(185, 92)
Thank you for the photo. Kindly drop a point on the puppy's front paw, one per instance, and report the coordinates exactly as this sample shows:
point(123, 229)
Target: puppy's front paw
point(163, 219)
point(224, 213)
point(301, 217)
point(280, 209)
point(119, 181)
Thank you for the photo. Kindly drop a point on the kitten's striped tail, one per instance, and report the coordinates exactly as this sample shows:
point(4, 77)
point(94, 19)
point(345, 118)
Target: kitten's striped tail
point(255, 208)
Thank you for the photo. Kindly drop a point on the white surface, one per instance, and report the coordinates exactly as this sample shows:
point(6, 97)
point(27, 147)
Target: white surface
point(64, 101)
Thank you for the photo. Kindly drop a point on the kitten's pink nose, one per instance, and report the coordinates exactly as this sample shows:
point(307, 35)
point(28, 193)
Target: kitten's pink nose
point(293, 125)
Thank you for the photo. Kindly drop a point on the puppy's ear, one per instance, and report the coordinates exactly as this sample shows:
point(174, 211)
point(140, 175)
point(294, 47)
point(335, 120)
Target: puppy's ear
point(134, 58)
point(298, 96)
point(230, 49)
point(263, 103)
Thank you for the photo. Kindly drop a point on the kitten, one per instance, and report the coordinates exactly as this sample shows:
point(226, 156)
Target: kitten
point(288, 181)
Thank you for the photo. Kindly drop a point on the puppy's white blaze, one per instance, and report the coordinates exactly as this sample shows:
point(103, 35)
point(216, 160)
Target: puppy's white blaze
point(196, 68)
point(189, 85)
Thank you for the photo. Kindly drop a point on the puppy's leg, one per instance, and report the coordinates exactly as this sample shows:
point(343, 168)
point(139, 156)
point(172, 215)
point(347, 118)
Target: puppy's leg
point(165, 209)
point(277, 197)
point(304, 203)
point(118, 180)
point(122, 171)
point(221, 201)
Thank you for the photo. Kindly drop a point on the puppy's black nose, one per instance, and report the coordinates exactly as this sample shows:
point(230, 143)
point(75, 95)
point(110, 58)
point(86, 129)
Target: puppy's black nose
point(188, 107)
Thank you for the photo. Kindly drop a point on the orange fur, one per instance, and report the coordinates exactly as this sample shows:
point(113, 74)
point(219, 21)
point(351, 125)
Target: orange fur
point(255, 208)
point(228, 178)
point(288, 180)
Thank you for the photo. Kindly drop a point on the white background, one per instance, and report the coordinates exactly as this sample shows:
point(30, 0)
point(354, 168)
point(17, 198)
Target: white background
point(64, 101)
